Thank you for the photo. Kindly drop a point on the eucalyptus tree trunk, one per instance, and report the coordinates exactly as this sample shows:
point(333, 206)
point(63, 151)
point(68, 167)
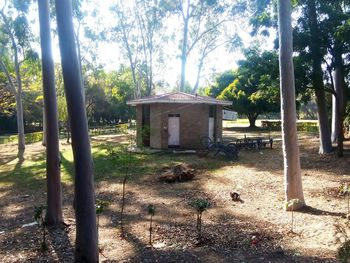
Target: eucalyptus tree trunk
point(86, 244)
point(292, 173)
point(53, 177)
point(335, 117)
point(17, 93)
point(44, 124)
point(184, 48)
point(317, 79)
point(339, 87)
point(20, 124)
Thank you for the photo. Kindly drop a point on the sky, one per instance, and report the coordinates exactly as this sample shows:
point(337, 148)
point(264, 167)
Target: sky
point(111, 56)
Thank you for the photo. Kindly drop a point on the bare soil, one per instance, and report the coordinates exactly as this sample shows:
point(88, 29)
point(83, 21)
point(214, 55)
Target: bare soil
point(255, 230)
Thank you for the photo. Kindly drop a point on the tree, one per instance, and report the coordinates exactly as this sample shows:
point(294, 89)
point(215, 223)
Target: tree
point(309, 41)
point(317, 76)
point(141, 34)
point(202, 21)
point(334, 27)
point(53, 178)
point(15, 28)
point(293, 183)
point(255, 88)
point(86, 249)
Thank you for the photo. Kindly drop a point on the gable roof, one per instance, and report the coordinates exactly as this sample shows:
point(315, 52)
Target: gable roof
point(179, 97)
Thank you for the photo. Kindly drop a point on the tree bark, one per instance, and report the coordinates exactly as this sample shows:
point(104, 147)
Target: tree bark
point(317, 80)
point(20, 125)
point(184, 49)
point(252, 119)
point(86, 244)
point(335, 118)
point(53, 177)
point(339, 87)
point(44, 123)
point(292, 173)
point(18, 92)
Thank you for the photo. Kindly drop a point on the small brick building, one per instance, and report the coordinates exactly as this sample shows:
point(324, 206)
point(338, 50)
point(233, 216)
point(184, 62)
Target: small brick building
point(177, 120)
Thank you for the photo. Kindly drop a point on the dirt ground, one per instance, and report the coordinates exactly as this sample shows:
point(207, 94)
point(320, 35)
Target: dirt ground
point(229, 227)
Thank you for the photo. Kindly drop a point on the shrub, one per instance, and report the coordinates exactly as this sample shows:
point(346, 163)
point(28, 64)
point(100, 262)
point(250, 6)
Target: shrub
point(151, 211)
point(200, 205)
point(39, 218)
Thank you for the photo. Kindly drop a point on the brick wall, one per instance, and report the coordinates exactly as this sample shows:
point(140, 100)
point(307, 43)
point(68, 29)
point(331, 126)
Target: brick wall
point(139, 125)
point(194, 124)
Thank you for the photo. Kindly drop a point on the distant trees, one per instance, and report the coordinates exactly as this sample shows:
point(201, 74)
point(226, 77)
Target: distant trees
point(138, 30)
point(318, 37)
point(15, 49)
point(254, 89)
point(202, 26)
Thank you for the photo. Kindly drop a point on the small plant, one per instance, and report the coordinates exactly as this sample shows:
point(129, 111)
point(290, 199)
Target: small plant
point(346, 191)
point(200, 205)
point(151, 211)
point(343, 252)
point(100, 206)
point(291, 206)
point(39, 218)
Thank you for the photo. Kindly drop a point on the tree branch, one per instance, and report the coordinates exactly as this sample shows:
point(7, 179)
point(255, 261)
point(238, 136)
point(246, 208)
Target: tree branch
point(11, 87)
point(204, 33)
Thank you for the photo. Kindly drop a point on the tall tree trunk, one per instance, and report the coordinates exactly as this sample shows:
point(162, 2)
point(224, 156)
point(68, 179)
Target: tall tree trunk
point(199, 70)
point(20, 124)
point(317, 80)
point(184, 50)
point(44, 123)
point(292, 173)
point(18, 92)
point(86, 244)
point(339, 86)
point(19, 107)
point(53, 177)
point(335, 118)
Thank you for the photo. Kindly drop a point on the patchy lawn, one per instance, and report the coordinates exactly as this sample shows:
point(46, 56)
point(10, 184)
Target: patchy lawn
point(229, 227)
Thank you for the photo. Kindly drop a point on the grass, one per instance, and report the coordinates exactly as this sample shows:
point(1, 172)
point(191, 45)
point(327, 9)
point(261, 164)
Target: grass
point(107, 167)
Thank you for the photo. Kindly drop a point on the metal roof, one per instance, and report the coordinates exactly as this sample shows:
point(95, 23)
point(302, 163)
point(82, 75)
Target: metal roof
point(179, 97)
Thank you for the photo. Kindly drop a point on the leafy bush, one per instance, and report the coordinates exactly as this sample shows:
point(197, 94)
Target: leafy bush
point(304, 126)
point(344, 252)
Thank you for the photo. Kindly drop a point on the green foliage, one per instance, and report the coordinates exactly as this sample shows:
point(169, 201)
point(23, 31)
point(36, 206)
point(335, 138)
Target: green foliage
point(221, 81)
point(343, 253)
point(120, 155)
point(106, 97)
point(101, 205)
point(151, 209)
point(200, 205)
point(29, 138)
point(255, 89)
point(303, 126)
